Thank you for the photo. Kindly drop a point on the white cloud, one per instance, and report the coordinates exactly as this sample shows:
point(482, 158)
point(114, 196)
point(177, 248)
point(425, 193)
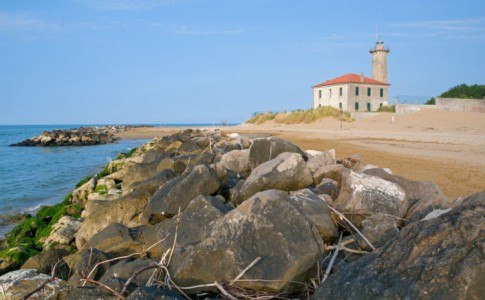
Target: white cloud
point(26, 22)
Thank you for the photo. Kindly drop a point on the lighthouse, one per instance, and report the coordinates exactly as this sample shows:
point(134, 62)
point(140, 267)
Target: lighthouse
point(379, 61)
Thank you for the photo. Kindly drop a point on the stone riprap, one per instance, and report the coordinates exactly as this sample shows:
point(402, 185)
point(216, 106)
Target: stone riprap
point(83, 136)
point(202, 215)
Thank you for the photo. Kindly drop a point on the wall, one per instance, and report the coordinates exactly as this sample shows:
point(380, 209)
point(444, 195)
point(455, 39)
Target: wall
point(348, 97)
point(410, 108)
point(461, 105)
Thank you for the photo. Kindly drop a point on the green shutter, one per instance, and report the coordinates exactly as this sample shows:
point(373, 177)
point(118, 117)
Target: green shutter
point(357, 91)
point(356, 106)
point(368, 92)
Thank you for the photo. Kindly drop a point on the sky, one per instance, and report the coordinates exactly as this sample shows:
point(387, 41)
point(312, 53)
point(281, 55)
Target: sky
point(204, 61)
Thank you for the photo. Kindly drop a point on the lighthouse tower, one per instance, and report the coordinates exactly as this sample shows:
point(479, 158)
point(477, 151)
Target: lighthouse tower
point(379, 61)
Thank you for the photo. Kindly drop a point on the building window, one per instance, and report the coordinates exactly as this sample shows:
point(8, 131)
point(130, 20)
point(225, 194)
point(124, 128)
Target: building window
point(320, 94)
point(340, 91)
point(381, 92)
point(356, 106)
point(340, 105)
point(330, 92)
point(368, 106)
point(368, 92)
point(357, 91)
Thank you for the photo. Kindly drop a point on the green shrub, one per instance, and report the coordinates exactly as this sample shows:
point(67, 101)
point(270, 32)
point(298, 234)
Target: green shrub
point(101, 189)
point(82, 182)
point(386, 108)
point(431, 101)
point(126, 154)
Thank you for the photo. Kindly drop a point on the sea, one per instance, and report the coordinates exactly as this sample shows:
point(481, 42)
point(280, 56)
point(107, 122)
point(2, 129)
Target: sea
point(34, 176)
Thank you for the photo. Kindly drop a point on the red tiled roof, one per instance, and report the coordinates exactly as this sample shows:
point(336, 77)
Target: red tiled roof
point(350, 78)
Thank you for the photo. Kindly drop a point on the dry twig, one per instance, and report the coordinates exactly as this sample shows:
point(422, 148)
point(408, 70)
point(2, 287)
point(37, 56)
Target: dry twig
point(332, 260)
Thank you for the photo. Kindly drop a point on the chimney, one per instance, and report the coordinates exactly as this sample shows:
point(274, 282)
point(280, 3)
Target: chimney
point(361, 77)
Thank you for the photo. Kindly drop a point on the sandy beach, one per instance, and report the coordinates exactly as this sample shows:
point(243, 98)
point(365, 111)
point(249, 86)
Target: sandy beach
point(445, 147)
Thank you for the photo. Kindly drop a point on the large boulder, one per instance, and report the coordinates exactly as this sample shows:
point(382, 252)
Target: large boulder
point(194, 224)
point(269, 226)
point(286, 172)
point(17, 284)
point(378, 229)
point(319, 159)
point(177, 193)
point(154, 183)
point(362, 195)
point(237, 161)
point(153, 293)
point(441, 258)
point(81, 194)
point(46, 260)
point(423, 196)
point(126, 268)
point(62, 232)
point(265, 149)
point(100, 214)
point(84, 262)
point(116, 240)
point(317, 211)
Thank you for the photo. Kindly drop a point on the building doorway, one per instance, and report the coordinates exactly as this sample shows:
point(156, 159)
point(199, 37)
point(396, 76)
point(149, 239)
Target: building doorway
point(368, 106)
point(356, 106)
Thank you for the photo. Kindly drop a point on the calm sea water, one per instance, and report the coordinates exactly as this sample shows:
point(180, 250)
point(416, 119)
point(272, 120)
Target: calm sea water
point(35, 176)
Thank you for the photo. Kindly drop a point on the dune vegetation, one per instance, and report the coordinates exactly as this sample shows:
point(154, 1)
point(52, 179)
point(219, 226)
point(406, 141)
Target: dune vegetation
point(300, 116)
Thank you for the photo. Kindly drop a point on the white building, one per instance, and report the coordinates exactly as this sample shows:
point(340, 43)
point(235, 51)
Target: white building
point(354, 92)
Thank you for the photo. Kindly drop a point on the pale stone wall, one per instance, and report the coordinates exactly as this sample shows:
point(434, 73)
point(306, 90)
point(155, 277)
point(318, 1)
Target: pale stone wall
point(379, 65)
point(461, 105)
point(330, 96)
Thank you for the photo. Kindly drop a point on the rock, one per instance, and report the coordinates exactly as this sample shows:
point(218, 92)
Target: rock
point(84, 262)
point(62, 232)
point(87, 292)
point(17, 284)
point(196, 221)
point(268, 225)
point(333, 172)
point(153, 293)
point(327, 186)
point(319, 159)
point(45, 261)
point(154, 183)
point(287, 172)
point(177, 193)
point(135, 173)
point(116, 240)
point(98, 215)
point(363, 195)
point(126, 268)
point(317, 211)
point(265, 149)
point(81, 194)
point(237, 161)
point(378, 229)
point(441, 258)
point(72, 137)
point(423, 196)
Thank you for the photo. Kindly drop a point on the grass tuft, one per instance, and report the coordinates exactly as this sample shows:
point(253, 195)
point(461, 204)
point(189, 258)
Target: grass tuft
point(301, 116)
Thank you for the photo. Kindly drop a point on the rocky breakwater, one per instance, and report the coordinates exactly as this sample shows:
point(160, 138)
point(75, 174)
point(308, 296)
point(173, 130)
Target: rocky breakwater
point(197, 214)
point(82, 136)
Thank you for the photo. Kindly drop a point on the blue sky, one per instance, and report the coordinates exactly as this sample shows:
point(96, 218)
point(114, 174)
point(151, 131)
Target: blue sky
point(190, 61)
